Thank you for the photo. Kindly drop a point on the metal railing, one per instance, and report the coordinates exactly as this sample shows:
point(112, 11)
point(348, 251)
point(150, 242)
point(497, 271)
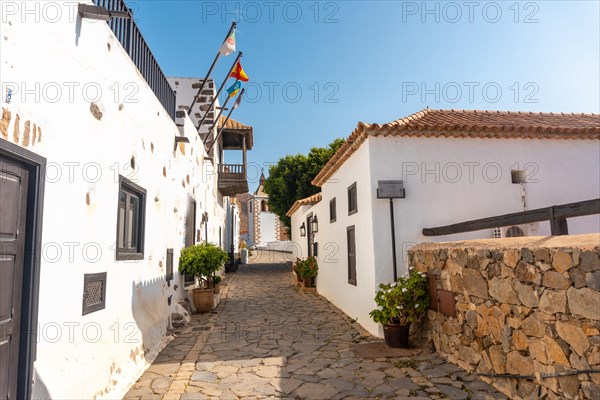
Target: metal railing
point(135, 45)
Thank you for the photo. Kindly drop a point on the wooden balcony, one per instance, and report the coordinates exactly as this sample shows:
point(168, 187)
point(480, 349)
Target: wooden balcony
point(232, 179)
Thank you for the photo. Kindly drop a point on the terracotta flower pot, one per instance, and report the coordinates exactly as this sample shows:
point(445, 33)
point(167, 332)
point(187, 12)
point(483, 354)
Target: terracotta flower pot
point(203, 299)
point(218, 288)
point(396, 335)
point(309, 282)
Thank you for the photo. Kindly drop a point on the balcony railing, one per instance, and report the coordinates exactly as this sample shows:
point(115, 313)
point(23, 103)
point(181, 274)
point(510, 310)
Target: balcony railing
point(232, 179)
point(232, 169)
point(135, 45)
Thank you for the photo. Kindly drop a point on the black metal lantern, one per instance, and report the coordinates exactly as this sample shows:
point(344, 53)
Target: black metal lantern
point(314, 224)
point(302, 230)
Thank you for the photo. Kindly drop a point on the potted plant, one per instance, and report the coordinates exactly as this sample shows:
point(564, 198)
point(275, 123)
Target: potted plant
point(308, 269)
point(400, 304)
point(202, 261)
point(295, 269)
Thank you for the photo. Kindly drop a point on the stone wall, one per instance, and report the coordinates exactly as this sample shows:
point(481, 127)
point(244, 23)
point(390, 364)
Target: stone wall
point(524, 306)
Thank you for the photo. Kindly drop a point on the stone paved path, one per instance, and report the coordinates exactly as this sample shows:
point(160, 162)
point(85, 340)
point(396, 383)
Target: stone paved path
point(267, 340)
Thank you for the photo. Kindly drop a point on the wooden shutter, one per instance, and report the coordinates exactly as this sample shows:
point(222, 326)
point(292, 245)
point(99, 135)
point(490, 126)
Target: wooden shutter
point(351, 255)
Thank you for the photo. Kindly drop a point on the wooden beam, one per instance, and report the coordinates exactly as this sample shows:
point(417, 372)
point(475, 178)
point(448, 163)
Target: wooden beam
point(559, 226)
point(558, 214)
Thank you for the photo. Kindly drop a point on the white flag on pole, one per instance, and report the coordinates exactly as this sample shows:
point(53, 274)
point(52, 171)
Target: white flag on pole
point(228, 46)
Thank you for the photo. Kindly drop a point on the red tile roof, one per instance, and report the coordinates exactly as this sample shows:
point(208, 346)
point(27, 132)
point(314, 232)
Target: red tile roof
point(238, 128)
point(469, 124)
point(233, 124)
point(309, 201)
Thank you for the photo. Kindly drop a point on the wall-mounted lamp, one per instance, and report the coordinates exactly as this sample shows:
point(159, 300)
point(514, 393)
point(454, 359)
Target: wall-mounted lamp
point(100, 13)
point(302, 230)
point(314, 224)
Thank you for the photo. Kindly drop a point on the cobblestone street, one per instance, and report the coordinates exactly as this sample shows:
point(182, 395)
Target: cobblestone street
point(267, 340)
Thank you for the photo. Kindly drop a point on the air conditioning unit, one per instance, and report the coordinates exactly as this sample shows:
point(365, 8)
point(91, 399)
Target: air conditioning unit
point(516, 231)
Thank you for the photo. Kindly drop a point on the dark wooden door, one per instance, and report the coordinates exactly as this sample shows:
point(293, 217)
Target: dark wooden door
point(310, 237)
point(13, 204)
point(190, 231)
point(190, 224)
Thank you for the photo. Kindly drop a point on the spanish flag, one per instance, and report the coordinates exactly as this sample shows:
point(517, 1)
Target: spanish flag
point(238, 73)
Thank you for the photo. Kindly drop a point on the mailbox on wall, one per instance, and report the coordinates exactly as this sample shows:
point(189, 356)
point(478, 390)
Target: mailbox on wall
point(442, 301)
point(390, 190)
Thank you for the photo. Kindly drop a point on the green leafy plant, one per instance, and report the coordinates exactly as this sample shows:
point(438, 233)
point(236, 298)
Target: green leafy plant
point(307, 268)
point(402, 302)
point(202, 261)
point(290, 179)
point(217, 279)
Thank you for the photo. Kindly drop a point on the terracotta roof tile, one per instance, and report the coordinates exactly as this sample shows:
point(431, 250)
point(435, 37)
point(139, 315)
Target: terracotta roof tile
point(233, 124)
point(309, 201)
point(238, 128)
point(469, 124)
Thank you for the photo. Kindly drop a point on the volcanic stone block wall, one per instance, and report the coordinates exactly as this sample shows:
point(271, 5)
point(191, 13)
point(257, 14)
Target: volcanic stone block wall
point(524, 306)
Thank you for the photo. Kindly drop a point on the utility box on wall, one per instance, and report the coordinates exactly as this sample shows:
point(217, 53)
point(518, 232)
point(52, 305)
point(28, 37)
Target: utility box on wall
point(440, 300)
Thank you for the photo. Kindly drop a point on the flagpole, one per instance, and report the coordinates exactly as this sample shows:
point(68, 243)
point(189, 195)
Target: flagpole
point(220, 113)
point(237, 102)
point(218, 92)
point(233, 26)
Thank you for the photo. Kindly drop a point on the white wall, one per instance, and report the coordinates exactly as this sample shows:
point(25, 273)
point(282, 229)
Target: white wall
point(332, 280)
point(250, 222)
point(450, 180)
point(233, 216)
point(267, 223)
point(110, 348)
point(447, 181)
point(300, 243)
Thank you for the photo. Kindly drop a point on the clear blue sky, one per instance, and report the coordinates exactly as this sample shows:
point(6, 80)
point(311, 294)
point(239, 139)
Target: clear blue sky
point(371, 60)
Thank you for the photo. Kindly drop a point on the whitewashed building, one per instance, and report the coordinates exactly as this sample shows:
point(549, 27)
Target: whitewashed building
point(265, 228)
point(455, 166)
point(101, 186)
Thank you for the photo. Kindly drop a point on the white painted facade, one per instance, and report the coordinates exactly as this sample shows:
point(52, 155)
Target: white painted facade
point(267, 227)
point(264, 226)
point(233, 227)
point(447, 180)
point(101, 354)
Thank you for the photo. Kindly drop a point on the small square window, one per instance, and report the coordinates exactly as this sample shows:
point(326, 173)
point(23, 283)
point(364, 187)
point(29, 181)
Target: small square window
point(94, 292)
point(518, 175)
point(352, 201)
point(332, 210)
point(130, 221)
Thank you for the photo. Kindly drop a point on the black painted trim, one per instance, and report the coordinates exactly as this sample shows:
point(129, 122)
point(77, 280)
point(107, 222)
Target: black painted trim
point(120, 254)
point(332, 216)
point(355, 209)
point(36, 165)
point(89, 278)
point(351, 281)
